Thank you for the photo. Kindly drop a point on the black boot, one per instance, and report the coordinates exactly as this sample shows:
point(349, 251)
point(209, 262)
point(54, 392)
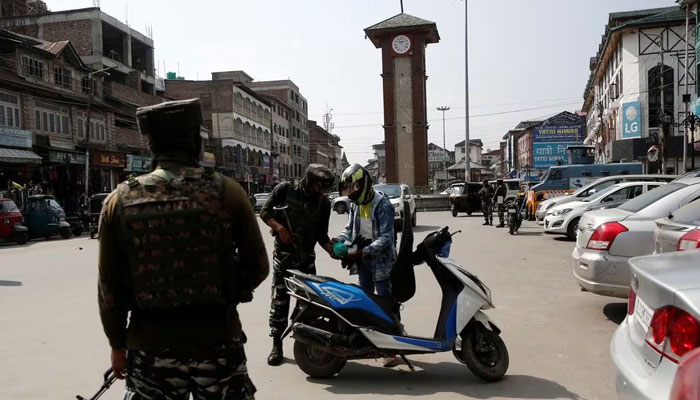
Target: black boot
point(276, 356)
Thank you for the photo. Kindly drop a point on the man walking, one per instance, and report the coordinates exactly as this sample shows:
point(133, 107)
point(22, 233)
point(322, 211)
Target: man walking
point(179, 249)
point(486, 195)
point(298, 216)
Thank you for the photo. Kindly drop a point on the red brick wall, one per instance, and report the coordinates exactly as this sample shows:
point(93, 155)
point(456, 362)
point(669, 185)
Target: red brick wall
point(78, 32)
point(128, 94)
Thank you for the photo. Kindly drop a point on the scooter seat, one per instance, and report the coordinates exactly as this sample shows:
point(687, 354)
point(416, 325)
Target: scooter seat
point(313, 278)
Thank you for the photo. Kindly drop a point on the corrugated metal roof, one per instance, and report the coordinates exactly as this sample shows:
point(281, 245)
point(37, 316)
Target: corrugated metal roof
point(399, 21)
point(19, 156)
point(673, 14)
point(54, 47)
point(641, 13)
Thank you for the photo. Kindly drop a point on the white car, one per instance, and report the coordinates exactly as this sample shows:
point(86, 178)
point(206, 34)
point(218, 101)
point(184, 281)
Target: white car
point(563, 218)
point(397, 194)
point(595, 187)
point(260, 199)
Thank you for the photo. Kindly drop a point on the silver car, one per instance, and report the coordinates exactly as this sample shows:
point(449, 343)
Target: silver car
point(593, 188)
point(661, 324)
point(608, 238)
point(679, 231)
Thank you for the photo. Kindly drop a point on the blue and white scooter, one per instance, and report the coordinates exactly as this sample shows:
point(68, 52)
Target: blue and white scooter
point(335, 321)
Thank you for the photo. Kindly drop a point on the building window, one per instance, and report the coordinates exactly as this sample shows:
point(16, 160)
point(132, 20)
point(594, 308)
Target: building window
point(97, 126)
point(85, 85)
point(206, 101)
point(9, 110)
point(33, 67)
point(656, 90)
point(52, 119)
point(62, 77)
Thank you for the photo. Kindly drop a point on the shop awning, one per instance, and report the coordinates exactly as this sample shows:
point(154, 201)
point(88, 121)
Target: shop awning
point(19, 156)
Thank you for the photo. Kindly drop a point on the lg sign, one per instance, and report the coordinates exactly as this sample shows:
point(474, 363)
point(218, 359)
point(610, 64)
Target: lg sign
point(631, 120)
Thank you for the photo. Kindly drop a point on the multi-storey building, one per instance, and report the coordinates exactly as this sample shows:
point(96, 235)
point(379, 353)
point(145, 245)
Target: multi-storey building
point(324, 148)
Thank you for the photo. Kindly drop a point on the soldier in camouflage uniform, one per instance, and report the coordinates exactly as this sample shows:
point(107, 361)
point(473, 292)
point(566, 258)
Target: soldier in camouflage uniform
point(486, 195)
point(179, 249)
point(296, 234)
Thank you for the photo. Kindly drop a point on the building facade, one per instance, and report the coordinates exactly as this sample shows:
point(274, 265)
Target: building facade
point(634, 98)
point(438, 161)
point(324, 148)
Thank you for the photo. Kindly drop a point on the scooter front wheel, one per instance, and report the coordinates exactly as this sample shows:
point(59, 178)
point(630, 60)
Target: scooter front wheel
point(485, 353)
point(315, 362)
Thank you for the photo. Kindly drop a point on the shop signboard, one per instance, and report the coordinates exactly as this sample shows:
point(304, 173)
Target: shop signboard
point(631, 120)
point(558, 134)
point(62, 157)
point(208, 160)
point(108, 159)
point(546, 155)
point(15, 137)
point(136, 163)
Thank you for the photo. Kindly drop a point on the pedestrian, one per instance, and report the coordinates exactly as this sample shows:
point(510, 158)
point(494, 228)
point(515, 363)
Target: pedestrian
point(499, 198)
point(371, 219)
point(486, 195)
point(179, 249)
point(297, 229)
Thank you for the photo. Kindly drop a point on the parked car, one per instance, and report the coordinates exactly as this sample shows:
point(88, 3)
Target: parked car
point(662, 325)
point(686, 384)
point(397, 194)
point(12, 227)
point(260, 199)
point(563, 219)
point(45, 217)
point(679, 230)
point(340, 204)
point(593, 188)
point(464, 197)
point(607, 239)
point(513, 186)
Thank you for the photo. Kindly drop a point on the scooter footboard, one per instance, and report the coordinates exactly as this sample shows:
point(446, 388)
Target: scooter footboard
point(487, 322)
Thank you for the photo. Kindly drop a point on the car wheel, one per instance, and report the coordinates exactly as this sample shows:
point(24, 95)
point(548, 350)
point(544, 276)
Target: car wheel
point(65, 233)
point(571, 229)
point(22, 238)
point(341, 208)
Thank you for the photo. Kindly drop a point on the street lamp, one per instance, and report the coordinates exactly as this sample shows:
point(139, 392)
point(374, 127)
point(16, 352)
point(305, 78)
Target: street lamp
point(444, 145)
point(467, 168)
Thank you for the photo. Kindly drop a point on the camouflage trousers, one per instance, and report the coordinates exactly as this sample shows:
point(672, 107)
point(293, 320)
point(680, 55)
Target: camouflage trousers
point(279, 307)
point(219, 373)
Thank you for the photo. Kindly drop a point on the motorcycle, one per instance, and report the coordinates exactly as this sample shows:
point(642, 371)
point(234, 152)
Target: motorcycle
point(335, 322)
point(515, 214)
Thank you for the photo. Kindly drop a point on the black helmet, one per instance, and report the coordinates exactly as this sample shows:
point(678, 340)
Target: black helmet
point(499, 181)
point(356, 174)
point(485, 182)
point(172, 126)
point(319, 173)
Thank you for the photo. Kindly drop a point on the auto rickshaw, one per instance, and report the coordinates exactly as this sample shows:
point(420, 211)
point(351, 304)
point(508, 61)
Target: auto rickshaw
point(12, 227)
point(94, 210)
point(464, 197)
point(45, 217)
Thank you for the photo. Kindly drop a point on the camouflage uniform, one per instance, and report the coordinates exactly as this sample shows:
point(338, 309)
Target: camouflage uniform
point(179, 249)
point(486, 194)
point(501, 190)
point(309, 220)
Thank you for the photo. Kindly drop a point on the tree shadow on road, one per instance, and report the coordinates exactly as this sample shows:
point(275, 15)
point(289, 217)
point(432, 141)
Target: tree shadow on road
point(615, 312)
point(10, 283)
point(443, 377)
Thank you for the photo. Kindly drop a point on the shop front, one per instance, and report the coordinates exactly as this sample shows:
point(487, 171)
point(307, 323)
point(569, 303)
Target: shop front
point(17, 160)
point(136, 165)
point(107, 167)
point(64, 172)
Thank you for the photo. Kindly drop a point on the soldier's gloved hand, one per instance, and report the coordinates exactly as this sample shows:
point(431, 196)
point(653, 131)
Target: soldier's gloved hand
point(285, 236)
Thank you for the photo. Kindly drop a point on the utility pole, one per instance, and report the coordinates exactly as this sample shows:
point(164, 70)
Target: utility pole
point(467, 162)
point(686, 98)
point(662, 113)
point(91, 90)
point(444, 145)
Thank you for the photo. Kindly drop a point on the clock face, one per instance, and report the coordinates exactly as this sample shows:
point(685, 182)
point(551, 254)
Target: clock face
point(401, 44)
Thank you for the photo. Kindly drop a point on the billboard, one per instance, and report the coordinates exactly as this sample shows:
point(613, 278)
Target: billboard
point(558, 133)
point(631, 120)
point(546, 155)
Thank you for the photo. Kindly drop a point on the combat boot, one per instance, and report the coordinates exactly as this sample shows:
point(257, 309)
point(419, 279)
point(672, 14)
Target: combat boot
point(276, 355)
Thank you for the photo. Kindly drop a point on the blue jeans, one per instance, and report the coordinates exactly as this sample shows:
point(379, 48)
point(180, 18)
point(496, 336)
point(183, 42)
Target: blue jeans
point(368, 284)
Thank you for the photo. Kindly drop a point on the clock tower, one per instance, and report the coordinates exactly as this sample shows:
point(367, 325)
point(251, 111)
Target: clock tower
point(403, 39)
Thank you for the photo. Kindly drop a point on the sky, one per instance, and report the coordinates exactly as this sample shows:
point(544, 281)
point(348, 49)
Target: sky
point(528, 59)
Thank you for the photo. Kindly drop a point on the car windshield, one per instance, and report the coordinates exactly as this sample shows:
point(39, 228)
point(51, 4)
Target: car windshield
point(688, 214)
point(8, 206)
point(643, 201)
point(390, 191)
point(51, 203)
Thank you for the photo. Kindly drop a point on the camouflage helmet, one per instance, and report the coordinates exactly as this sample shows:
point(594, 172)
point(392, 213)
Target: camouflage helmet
point(319, 173)
point(172, 126)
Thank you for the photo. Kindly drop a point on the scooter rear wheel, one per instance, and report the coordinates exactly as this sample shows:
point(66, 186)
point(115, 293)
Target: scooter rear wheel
point(485, 353)
point(315, 362)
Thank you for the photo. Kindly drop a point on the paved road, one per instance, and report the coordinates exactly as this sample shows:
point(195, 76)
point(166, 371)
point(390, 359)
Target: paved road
point(52, 346)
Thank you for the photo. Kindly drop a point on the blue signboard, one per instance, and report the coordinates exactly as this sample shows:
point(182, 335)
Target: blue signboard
point(546, 155)
point(631, 120)
point(15, 137)
point(558, 133)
